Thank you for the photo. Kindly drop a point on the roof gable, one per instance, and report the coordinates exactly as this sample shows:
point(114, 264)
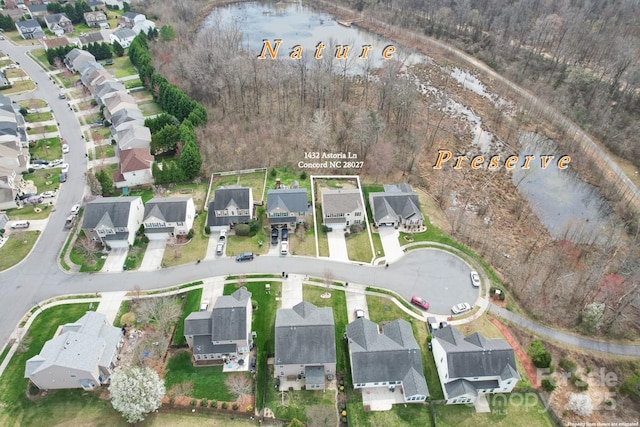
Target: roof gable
point(169, 209)
point(287, 200)
point(341, 201)
point(108, 210)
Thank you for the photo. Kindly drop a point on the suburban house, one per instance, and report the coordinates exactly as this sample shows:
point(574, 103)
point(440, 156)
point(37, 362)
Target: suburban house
point(113, 221)
point(36, 10)
point(342, 208)
point(397, 206)
point(231, 205)
point(118, 101)
point(165, 217)
point(83, 355)
point(58, 24)
point(9, 119)
point(386, 359)
point(144, 27)
point(124, 36)
point(305, 344)
point(468, 367)
point(29, 29)
point(93, 74)
point(107, 89)
point(126, 115)
point(4, 219)
point(134, 168)
point(114, 3)
point(14, 156)
point(287, 207)
point(76, 58)
point(93, 37)
point(54, 43)
point(96, 19)
point(129, 19)
point(223, 333)
point(9, 185)
point(133, 135)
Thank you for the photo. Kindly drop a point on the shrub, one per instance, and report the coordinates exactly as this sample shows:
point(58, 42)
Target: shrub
point(254, 227)
point(273, 172)
point(540, 357)
point(303, 175)
point(172, 400)
point(567, 365)
point(631, 386)
point(190, 234)
point(204, 403)
point(492, 291)
point(207, 229)
point(249, 409)
point(224, 405)
point(234, 406)
point(577, 381)
point(502, 296)
point(213, 404)
point(242, 230)
point(326, 229)
point(580, 404)
point(548, 384)
point(193, 402)
point(128, 318)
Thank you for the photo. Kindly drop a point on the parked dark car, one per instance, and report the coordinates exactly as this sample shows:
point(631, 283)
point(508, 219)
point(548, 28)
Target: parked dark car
point(26, 196)
point(63, 177)
point(285, 234)
point(274, 236)
point(39, 162)
point(246, 256)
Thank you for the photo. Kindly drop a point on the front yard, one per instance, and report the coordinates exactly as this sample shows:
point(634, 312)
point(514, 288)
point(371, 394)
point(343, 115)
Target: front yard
point(17, 247)
point(176, 254)
point(136, 253)
point(46, 149)
point(29, 212)
point(44, 179)
point(359, 247)
point(258, 244)
point(87, 254)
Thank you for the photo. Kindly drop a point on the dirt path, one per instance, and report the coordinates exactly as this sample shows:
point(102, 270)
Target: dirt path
point(520, 353)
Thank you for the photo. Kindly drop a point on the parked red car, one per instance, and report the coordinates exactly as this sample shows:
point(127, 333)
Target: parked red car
point(420, 302)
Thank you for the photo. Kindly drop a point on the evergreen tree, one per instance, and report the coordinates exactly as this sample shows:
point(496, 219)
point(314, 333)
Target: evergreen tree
point(167, 33)
point(6, 23)
point(190, 160)
point(117, 48)
point(105, 181)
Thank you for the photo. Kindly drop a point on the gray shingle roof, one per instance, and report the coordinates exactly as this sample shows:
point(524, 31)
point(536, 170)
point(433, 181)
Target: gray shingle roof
point(124, 33)
point(223, 199)
point(305, 334)
point(340, 201)
point(287, 200)
point(126, 115)
point(393, 355)
point(198, 323)
point(108, 211)
point(202, 345)
point(230, 316)
point(394, 206)
point(168, 209)
point(56, 18)
point(475, 355)
point(314, 375)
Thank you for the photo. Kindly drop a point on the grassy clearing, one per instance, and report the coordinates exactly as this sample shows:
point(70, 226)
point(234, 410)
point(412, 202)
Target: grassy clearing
point(136, 253)
point(41, 57)
point(46, 149)
point(305, 405)
point(38, 117)
point(255, 180)
point(123, 67)
point(32, 103)
point(88, 263)
point(359, 248)
point(149, 108)
point(191, 304)
point(16, 408)
point(29, 213)
point(125, 307)
point(287, 176)
point(190, 252)
point(512, 413)
point(207, 381)
point(18, 87)
point(17, 247)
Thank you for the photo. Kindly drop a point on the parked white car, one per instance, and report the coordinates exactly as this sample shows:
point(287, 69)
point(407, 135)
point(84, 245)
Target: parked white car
point(48, 194)
point(65, 148)
point(54, 163)
point(475, 279)
point(37, 166)
point(461, 308)
point(65, 167)
point(75, 209)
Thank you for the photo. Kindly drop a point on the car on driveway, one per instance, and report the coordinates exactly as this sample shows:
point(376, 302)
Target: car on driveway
point(246, 256)
point(359, 313)
point(37, 166)
point(48, 194)
point(475, 279)
point(25, 196)
point(204, 306)
point(284, 248)
point(285, 234)
point(40, 162)
point(54, 163)
point(65, 148)
point(220, 248)
point(420, 302)
point(274, 236)
point(461, 308)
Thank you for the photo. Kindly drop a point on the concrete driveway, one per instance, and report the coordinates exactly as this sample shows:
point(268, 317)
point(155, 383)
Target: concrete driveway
point(355, 300)
point(115, 260)
point(153, 256)
point(390, 243)
point(211, 246)
point(291, 291)
point(337, 245)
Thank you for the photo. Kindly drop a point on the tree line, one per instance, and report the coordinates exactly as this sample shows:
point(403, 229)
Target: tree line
point(99, 50)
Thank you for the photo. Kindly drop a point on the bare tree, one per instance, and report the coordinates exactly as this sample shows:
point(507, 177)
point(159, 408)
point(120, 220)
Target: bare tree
point(87, 247)
point(163, 312)
point(239, 385)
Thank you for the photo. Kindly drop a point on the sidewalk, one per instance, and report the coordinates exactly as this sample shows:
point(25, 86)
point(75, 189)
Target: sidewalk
point(522, 355)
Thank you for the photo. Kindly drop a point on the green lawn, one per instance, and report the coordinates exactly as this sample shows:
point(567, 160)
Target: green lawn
point(382, 309)
point(16, 408)
point(377, 245)
point(255, 180)
point(105, 151)
point(122, 66)
point(46, 149)
point(42, 129)
point(125, 307)
point(195, 249)
point(359, 247)
point(207, 381)
point(17, 247)
point(38, 117)
point(191, 304)
point(18, 87)
point(87, 264)
point(14, 73)
point(32, 103)
point(520, 411)
point(149, 108)
point(132, 83)
point(323, 240)
point(400, 415)
point(41, 56)
point(287, 176)
point(305, 246)
point(28, 212)
point(136, 253)
point(239, 244)
point(305, 405)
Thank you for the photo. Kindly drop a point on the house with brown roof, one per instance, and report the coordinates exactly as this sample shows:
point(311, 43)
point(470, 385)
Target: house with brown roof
point(134, 168)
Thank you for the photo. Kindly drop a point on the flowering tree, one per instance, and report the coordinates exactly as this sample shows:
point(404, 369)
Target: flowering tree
point(580, 404)
point(136, 391)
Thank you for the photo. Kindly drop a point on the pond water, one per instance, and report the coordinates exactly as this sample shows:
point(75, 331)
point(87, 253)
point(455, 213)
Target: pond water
point(297, 24)
point(567, 206)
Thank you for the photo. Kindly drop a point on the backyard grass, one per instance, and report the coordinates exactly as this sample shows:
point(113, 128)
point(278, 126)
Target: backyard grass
point(32, 103)
point(136, 253)
point(239, 244)
point(191, 304)
point(16, 408)
point(399, 415)
point(255, 180)
point(359, 247)
point(123, 67)
point(38, 117)
point(207, 381)
point(132, 83)
point(287, 176)
point(323, 240)
point(17, 247)
point(18, 87)
point(421, 333)
point(87, 263)
point(190, 252)
point(105, 151)
point(512, 413)
point(46, 149)
point(28, 212)
point(44, 179)
point(125, 307)
point(149, 108)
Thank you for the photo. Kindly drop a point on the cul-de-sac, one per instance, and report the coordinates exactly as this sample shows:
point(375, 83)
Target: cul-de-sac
point(314, 213)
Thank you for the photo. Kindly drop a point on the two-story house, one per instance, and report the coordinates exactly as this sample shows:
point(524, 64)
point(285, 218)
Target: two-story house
point(58, 24)
point(224, 332)
point(305, 344)
point(468, 367)
point(386, 359)
point(230, 206)
point(113, 221)
point(287, 207)
point(134, 168)
point(76, 58)
point(129, 19)
point(29, 29)
point(84, 355)
point(168, 216)
point(124, 36)
point(342, 208)
point(397, 206)
point(96, 19)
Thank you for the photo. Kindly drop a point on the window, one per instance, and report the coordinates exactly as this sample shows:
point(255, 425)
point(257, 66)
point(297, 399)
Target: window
point(72, 375)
